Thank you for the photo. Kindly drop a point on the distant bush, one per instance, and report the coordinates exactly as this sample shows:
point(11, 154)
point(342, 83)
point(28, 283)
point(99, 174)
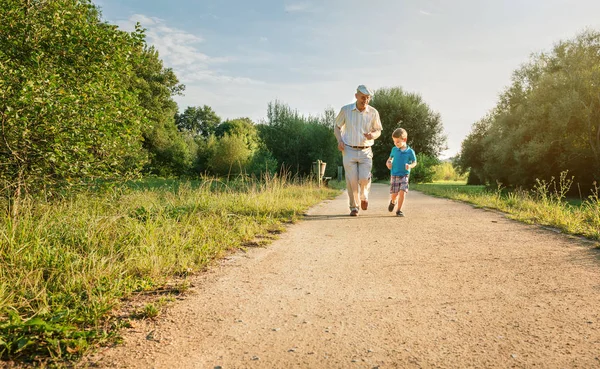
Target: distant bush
point(445, 171)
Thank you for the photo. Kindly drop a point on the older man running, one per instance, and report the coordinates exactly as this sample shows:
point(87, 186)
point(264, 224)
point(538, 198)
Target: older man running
point(356, 127)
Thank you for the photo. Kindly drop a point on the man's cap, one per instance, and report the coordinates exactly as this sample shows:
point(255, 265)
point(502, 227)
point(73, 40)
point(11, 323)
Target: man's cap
point(364, 90)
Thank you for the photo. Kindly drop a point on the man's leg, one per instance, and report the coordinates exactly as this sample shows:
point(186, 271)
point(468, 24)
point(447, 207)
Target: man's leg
point(365, 164)
point(351, 169)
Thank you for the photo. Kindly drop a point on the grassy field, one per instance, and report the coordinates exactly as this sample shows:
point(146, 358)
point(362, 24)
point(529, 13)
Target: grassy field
point(66, 267)
point(545, 205)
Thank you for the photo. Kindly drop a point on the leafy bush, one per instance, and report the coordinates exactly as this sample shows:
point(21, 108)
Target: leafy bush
point(445, 171)
point(230, 156)
point(425, 169)
point(68, 112)
point(262, 162)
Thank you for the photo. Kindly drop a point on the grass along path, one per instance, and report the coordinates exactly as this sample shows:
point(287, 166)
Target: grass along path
point(66, 266)
point(545, 205)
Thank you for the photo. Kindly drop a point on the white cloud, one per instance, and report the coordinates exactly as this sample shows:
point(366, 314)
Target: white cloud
point(421, 11)
point(179, 50)
point(298, 7)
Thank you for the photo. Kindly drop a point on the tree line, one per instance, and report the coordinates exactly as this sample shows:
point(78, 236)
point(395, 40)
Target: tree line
point(81, 101)
point(546, 122)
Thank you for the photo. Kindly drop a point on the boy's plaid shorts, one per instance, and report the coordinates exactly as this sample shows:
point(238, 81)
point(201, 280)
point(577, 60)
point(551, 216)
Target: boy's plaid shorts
point(398, 183)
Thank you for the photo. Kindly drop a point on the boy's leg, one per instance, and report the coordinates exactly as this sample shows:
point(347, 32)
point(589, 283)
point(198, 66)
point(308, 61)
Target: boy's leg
point(393, 201)
point(394, 188)
point(401, 196)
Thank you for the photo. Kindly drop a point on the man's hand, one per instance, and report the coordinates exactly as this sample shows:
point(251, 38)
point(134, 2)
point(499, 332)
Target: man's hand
point(368, 136)
point(341, 146)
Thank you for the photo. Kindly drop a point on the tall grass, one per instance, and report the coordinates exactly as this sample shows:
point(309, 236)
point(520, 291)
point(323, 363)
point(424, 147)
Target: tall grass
point(65, 266)
point(546, 204)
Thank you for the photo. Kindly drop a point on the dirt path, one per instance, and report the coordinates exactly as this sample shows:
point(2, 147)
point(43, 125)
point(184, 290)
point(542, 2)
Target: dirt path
point(447, 286)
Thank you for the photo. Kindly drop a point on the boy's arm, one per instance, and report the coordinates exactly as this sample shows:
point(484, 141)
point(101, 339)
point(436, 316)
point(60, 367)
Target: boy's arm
point(413, 162)
point(388, 163)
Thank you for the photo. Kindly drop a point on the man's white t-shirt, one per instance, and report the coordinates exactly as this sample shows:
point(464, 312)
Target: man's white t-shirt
point(354, 124)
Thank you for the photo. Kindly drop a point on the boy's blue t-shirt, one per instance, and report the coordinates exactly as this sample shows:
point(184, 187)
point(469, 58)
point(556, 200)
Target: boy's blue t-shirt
point(400, 159)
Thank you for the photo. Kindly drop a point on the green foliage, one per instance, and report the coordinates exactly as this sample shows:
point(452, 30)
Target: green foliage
point(262, 162)
point(170, 152)
point(399, 109)
point(241, 127)
point(206, 150)
point(446, 171)
point(66, 106)
point(471, 158)
point(424, 172)
point(198, 121)
point(230, 156)
point(546, 122)
point(235, 148)
point(297, 141)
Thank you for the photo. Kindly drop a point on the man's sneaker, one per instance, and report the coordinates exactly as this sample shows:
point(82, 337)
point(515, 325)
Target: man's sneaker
point(391, 207)
point(400, 213)
point(354, 213)
point(364, 204)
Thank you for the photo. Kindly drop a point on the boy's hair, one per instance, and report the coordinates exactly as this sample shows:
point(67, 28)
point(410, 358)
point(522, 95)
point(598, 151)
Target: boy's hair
point(400, 133)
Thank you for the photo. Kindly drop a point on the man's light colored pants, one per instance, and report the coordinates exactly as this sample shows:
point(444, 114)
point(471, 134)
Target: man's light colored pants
point(358, 164)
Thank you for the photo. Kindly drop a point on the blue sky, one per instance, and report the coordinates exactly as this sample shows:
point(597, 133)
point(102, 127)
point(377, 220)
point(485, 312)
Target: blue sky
point(237, 55)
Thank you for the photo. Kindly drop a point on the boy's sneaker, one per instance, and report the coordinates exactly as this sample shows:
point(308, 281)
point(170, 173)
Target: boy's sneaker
point(400, 213)
point(391, 207)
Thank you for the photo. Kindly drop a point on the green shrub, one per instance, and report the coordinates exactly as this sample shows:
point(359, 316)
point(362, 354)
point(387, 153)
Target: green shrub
point(425, 169)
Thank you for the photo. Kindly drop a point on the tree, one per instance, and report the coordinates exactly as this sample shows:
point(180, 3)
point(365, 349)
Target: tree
point(242, 127)
point(406, 110)
point(199, 121)
point(66, 108)
point(230, 156)
point(546, 122)
point(297, 141)
point(169, 151)
point(471, 157)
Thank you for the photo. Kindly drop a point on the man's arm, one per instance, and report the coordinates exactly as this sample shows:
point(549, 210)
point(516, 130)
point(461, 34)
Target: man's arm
point(338, 135)
point(339, 121)
point(375, 134)
point(376, 128)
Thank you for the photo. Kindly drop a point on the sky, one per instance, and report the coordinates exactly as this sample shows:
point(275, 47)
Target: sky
point(236, 56)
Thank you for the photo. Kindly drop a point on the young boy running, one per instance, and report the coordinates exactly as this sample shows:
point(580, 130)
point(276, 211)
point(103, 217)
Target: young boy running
point(402, 159)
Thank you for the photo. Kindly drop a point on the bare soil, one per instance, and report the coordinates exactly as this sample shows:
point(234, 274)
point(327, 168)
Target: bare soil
point(448, 286)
